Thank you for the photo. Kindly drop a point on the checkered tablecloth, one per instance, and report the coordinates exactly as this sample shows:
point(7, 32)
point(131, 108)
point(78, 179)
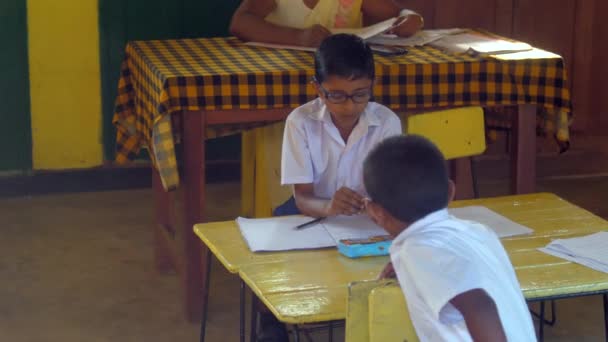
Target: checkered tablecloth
point(164, 77)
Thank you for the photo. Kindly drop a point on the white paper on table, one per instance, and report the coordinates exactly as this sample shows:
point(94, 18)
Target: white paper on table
point(590, 250)
point(479, 43)
point(279, 234)
point(576, 259)
point(502, 226)
point(352, 227)
point(419, 39)
point(535, 53)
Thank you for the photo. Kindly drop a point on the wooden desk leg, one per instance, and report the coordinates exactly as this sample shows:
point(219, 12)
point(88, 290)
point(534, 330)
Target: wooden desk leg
point(253, 328)
point(523, 151)
point(162, 211)
point(541, 322)
point(605, 297)
point(242, 305)
point(194, 277)
point(462, 177)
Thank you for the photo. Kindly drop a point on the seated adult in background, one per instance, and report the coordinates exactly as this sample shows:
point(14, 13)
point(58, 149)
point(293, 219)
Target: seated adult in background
point(307, 22)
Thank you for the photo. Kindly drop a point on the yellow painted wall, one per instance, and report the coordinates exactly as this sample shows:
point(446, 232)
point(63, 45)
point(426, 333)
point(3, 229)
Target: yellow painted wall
point(65, 83)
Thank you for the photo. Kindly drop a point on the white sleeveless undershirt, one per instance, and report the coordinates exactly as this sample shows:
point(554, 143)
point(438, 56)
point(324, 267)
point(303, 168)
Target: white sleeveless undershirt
point(291, 13)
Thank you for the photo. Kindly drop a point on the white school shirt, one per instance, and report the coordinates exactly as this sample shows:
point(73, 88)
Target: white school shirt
point(314, 152)
point(440, 257)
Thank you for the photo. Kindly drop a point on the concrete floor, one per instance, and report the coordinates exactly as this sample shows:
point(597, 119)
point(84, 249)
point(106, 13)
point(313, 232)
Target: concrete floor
point(79, 267)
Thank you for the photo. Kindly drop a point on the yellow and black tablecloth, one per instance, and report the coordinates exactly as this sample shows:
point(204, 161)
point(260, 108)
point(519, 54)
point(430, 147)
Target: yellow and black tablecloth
point(160, 78)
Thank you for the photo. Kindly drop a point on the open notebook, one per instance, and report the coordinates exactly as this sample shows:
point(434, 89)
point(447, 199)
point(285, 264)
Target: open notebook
point(279, 233)
point(421, 38)
point(363, 32)
point(369, 31)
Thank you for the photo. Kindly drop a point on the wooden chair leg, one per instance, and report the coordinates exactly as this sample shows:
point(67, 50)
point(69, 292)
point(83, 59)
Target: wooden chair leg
point(474, 178)
point(248, 162)
point(523, 150)
point(461, 175)
point(205, 297)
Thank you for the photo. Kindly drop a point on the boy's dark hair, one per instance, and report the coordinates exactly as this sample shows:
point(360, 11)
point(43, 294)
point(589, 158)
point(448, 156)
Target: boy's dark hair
point(344, 55)
point(407, 175)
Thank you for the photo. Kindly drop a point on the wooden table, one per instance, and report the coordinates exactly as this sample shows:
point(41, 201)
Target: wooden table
point(182, 92)
point(311, 286)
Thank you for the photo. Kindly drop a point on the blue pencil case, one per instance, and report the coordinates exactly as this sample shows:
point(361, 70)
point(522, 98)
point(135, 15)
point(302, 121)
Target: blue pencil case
point(357, 248)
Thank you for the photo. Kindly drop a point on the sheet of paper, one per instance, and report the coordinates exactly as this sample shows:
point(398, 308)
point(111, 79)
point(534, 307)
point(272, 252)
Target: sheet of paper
point(352, 227)
point(368, 31)
point(502, 226)
point(594, 246)
point(530, 54)
point(279, 234)
point(576, 259)
point(477, 42)
point(589, 250)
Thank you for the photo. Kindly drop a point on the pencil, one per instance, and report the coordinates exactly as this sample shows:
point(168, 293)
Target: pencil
point(310, 223)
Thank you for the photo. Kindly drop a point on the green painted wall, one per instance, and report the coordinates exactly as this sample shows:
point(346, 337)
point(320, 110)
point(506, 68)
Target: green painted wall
point(15, 126)
point(123, 20)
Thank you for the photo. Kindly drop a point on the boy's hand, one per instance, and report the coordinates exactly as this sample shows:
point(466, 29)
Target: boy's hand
point(312, 36)
point(345, 202)
point(411, 24)
point(388, 272)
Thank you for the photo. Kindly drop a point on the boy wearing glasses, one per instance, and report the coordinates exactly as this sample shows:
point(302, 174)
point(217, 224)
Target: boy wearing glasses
point(326, 140)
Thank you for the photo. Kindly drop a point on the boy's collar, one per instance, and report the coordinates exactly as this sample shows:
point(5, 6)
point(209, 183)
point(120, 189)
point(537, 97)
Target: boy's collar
point(368, 116)
point(436, 216)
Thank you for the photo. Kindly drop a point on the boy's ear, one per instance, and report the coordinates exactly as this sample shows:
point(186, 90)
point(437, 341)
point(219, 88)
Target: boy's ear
point(317, 89)
point(451, 190)
point(384, 219)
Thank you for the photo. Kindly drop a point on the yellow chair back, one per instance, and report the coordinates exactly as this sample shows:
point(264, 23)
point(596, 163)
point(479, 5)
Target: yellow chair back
point(376, 311)
point(457, 132)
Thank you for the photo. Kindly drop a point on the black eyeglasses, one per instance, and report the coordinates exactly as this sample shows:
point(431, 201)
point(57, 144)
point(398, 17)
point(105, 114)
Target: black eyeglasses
point(339, 97)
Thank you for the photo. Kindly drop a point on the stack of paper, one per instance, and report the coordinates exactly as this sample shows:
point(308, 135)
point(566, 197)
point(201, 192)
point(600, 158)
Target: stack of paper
point(419, 39)
point(590, 250)
point(474, 42)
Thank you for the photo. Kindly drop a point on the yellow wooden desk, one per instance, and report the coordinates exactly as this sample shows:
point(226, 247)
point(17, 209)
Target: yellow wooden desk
point(312, 286)
point(225, 241)
point(185, 91)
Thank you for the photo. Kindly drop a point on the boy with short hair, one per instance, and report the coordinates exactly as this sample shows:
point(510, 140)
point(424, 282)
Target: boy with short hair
point(457, 279)
point(326, 140)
